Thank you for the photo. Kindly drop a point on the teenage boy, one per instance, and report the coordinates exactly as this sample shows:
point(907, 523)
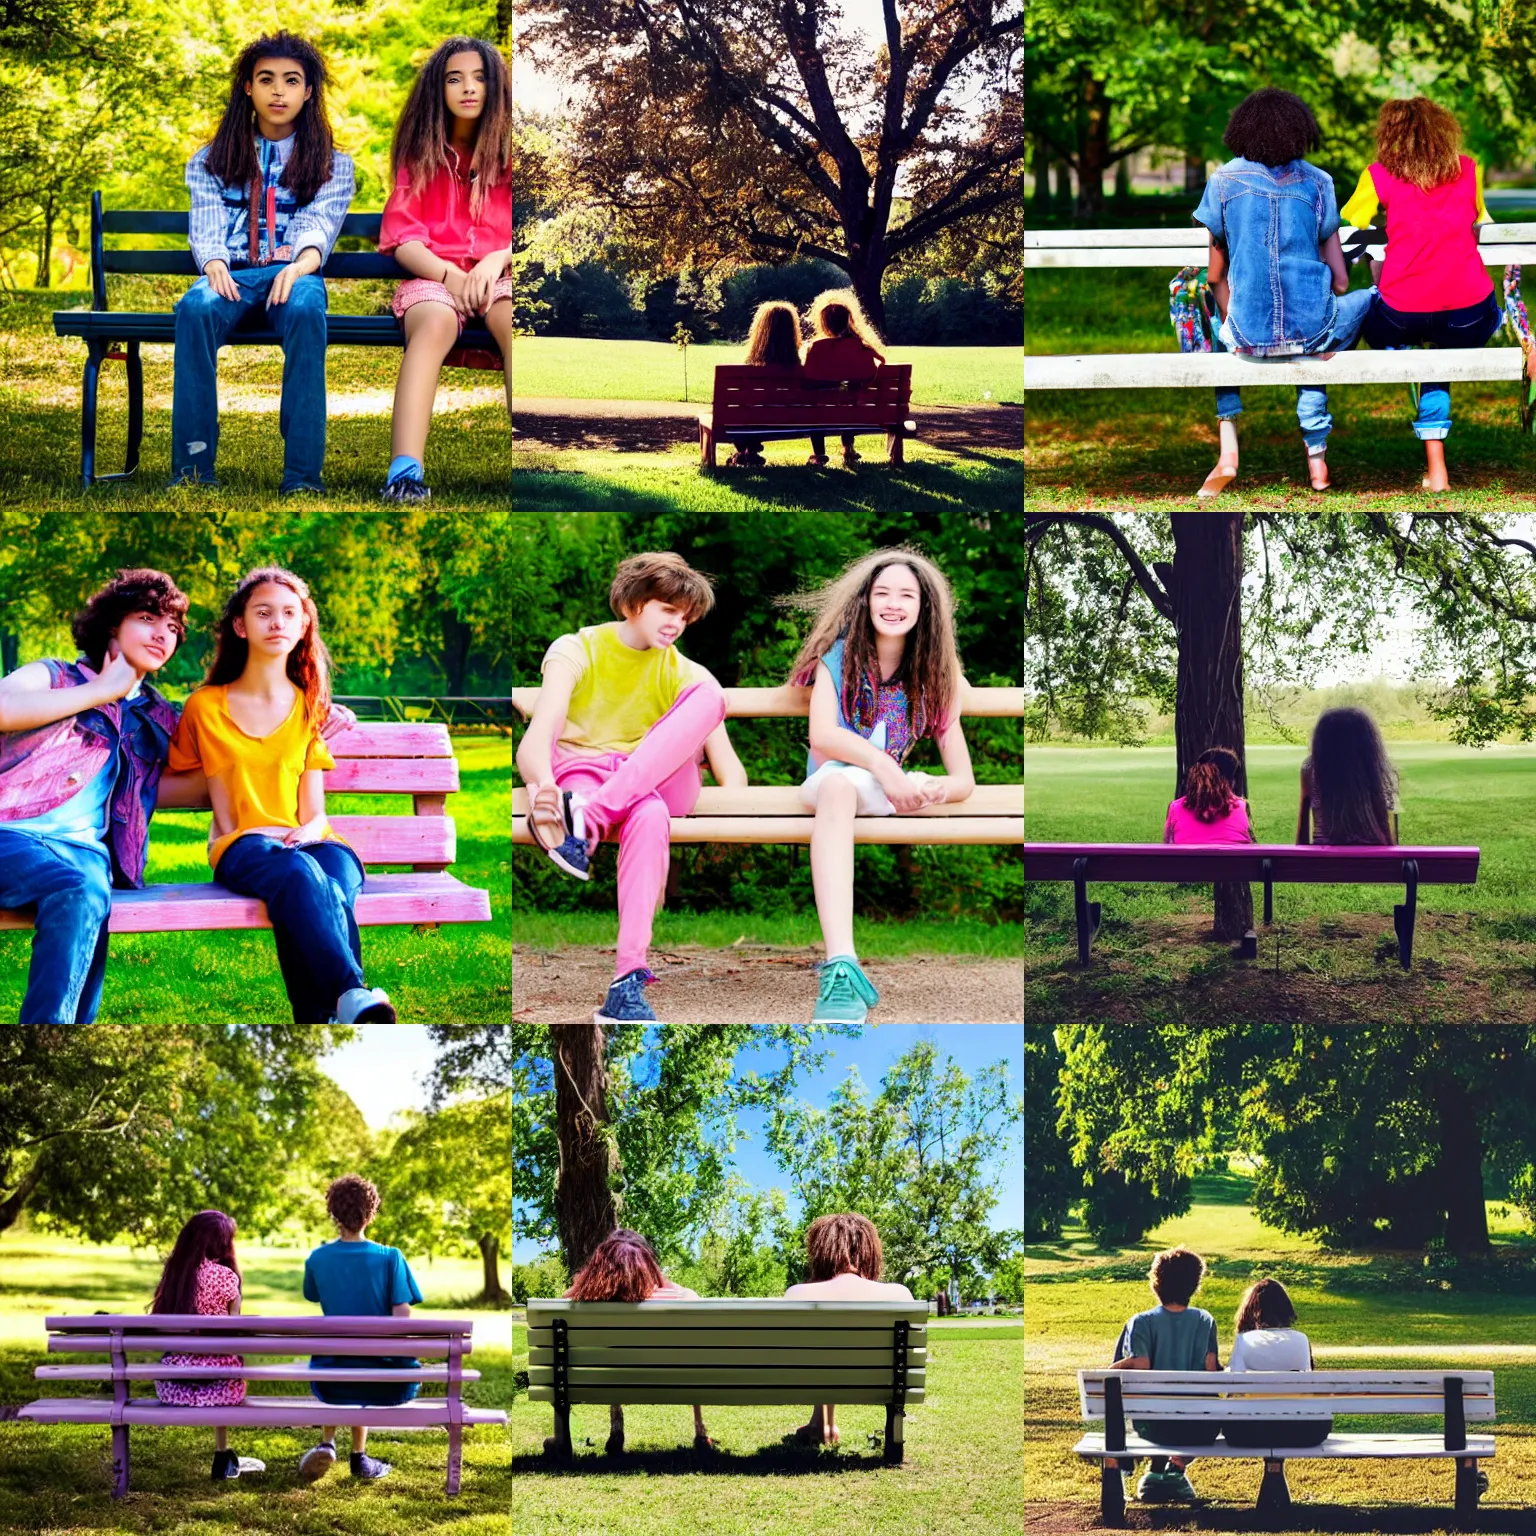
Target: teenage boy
point(1172, 1336)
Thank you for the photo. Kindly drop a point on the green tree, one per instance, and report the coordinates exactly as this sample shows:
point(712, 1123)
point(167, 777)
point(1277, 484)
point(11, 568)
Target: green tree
point(1053, 1184)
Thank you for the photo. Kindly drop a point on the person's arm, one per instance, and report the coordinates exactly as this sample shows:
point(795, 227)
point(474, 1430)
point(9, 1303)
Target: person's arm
point(1211, 1362)
point(206, 225)
point(1304, 815)
point(28, 698)
point(1216, 274)
point(480, 281)
point(308, 260)
point(535, 752)
point(835, 743)
point(1332, 252)
point(312, 821)
point(724, 764)
point(1132, 1363)
point(317, 225)
point(400, 1309)
point(959, 780)
point(186, 791)
point(338, 720)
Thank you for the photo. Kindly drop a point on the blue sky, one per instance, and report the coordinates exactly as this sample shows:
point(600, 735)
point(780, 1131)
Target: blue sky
point(386, 1070)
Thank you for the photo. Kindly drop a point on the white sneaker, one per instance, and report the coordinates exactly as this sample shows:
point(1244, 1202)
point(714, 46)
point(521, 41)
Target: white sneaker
point(357, 1001)
point(250, 1464)
point(317, 1461)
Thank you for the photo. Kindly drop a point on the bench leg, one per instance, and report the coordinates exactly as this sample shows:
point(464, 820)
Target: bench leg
point(119, 1460)
point(1111, 1494)
point(89, 382)
point(1088, 912)
point(455, 1458)
point(1274, 1494)
point(895, 1435)
point(707, 450)
point(1404, 914)
point(1467, 1491)
point(135, 409)
point(559, 1447)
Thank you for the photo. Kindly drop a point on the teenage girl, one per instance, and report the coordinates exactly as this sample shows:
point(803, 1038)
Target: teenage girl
point(844, 349)
point(202, 1276)
point(774, 343)
point(449, 223)
point(1348, 784)
point(1210, 810)
point(1267, 1339)
point(253, 729)
point(268, 197)
point(1433, 286)
point(883, 669)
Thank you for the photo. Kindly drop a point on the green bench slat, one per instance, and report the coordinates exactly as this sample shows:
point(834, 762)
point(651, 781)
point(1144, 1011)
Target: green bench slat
point(341, 330)
point(883, 1357)
point(166, 221)
point(645, 1377)
point(720, 1396)
point(181, 264)
point(720, 1312)
point(736, 1338)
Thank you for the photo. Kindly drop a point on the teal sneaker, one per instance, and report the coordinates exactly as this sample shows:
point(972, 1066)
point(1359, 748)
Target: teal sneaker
point(1170, 1486)
point(846, 993)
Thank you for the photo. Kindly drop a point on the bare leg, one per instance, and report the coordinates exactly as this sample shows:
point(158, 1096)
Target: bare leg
point(221, 1438)
point(430, 333)
point(699, 1432)
point(359, 1438)
point(498, 321)
point(1434, 453)
point(1317, 470)
point(829, 1431)
point(809, 1433)
point(1225, 471)
point(832, 863)
point(328, 1433)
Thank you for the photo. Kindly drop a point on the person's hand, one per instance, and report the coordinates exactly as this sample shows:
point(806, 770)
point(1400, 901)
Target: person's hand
point(118, 676)
point(935, 791)
point(340, 719)
point(457, 284)
point(282, 285)
point(310, 832)
point(904, 795)
point(220, 280)
point(480, 282)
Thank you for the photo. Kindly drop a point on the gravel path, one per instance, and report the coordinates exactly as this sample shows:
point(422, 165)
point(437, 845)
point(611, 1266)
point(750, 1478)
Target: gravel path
point(765, 986)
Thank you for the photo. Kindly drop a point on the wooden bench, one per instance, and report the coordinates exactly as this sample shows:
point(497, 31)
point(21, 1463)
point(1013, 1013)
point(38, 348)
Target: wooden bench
point(1499, 244)
point(136, 1334)
point(1174, 864)
point(759, 405)
point(728, 1352)
point(773, 813)
point(1278, 1396)
point(415, 760)
point(117, 335)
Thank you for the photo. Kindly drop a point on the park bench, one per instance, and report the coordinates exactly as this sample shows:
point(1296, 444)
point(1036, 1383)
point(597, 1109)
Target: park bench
point(773, 813)
point(1174, 864)
point(728, 1352)
point(760, 405)
point(117, 335)
point(136, 1334)
point(413, 759)
point(1500, 244)
point(1265, 1396)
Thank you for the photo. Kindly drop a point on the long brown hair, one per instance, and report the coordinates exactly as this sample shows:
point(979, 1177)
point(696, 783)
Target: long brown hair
point(623, 1267)
point(774, 339)
point(425, 127)
point(309, 663)
point(232, 153)
point(1265, 1304)
point(1418, 141)
point(846, 1243)
point(1353, 781)
point(930, 664)
point(208, 1236)
point(1209, 785)
point(837, 312)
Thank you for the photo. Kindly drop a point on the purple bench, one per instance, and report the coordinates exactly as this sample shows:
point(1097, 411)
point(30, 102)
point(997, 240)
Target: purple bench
point(1173, 864)
point(121, 1336)
point(404, 759)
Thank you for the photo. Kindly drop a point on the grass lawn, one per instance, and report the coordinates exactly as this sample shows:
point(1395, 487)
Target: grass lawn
point(1151, 447)
point(57, 1479)
point(457, 973)
point(1361, 1311)
point(1475, 946)
point(581, 368)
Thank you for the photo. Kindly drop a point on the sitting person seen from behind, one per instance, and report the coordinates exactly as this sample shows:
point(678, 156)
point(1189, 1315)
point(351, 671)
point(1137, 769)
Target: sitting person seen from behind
point(1268, 1340)
point(773, 344)
point(1348, 784)
point(844, 349)
point(1210, 810)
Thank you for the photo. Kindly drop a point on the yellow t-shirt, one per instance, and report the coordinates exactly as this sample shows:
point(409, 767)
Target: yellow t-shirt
point(253, 781)
point(620, 692)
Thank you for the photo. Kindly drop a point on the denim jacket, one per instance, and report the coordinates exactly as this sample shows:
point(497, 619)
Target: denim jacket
point(1271, 220)
point(40, 769)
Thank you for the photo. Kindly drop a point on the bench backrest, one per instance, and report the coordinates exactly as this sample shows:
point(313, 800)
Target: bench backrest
point(788, 702)
point(755, 396)
point(727, 1351)
point(1298, 864)
point(1205, 1395)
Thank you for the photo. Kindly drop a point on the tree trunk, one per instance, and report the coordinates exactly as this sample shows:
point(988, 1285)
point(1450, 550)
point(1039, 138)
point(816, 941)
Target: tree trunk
point(14, 1203)
point(490, 1255)
point(1093, 151)
point(1122, 181)
point(1040, 198)
point(1062, 196)
point(1460, 1167)
point(1194, 172)
point(585, 1208)
point(866, 273)
point(1206, 588)
point(10, 650)
point(457, 637)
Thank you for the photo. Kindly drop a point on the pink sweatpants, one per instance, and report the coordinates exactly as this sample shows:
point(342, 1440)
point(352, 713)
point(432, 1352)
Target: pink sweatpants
point(638, 795)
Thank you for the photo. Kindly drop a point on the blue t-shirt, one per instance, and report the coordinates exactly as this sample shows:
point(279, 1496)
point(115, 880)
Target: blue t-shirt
point(363, 1279)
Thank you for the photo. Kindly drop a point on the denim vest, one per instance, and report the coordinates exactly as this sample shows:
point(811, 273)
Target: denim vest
point(1271, 220)
point(40, 769)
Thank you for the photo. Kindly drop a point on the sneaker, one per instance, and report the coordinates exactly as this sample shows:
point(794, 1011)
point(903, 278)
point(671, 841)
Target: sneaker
point(846, 993)
point(852, 456)
point(406, 489)
point(245, 1465)
point(364, 1005)
point(317, 1461)
point(302, 488)
point(1167, 1487)
point(368, 1468)
point(574, 854)
point(625, 1003)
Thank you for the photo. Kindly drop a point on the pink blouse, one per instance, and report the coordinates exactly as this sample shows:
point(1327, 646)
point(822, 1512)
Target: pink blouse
point(1186, 827)
point(439, 216)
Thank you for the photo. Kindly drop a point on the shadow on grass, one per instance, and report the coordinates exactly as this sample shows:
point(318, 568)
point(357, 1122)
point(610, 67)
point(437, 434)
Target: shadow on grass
point(782, 1460)
point(1049, 1519)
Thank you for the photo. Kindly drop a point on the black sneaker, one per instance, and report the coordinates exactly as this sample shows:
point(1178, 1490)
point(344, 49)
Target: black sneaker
point(406, 489)
point(368, 1468)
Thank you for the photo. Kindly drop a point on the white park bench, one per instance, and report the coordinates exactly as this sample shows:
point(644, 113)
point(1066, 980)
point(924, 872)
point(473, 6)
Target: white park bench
point(1276, 1396)
point(1499, 244)
point(728, 1352)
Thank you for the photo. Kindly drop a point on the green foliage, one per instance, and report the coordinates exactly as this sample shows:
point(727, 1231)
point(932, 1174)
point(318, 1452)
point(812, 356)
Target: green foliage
point(1052, 1184)
point(544, 1276)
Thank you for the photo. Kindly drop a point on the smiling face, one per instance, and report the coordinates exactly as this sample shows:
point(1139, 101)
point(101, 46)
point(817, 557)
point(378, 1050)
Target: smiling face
point(147, 640)
point(274, 620)
point(278, 92)
point(659, 623)
point(895, 600)
point(464, 85)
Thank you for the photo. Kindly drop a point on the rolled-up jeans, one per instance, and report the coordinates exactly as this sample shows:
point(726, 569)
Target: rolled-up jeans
point(1311, 399)
point(1389, 330)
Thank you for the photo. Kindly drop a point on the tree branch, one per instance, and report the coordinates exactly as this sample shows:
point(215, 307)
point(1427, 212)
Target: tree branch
point(1148, 583)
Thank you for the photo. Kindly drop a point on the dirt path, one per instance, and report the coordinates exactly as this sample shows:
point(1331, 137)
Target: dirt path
point(642, 426)
point(763, 985)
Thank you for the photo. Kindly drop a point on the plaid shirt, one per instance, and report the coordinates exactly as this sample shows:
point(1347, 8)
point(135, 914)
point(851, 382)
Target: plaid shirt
point(219, 226)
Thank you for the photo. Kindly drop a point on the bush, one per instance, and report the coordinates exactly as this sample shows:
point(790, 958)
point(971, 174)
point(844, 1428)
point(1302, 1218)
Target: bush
point(544, 1277)
point(682, 300)
point(798, 283)
point(585, 300)
point(950, 311)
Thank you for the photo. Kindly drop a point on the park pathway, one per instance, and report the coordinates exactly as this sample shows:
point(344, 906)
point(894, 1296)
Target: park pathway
point(764, 985)
point(643, 426)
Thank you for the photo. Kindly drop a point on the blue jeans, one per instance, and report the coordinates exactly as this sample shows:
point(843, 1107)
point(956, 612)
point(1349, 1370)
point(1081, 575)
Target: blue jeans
point(310, 893)
point(71, 888)
point(1311, 400)
point(203, 323)
point(1388, 329)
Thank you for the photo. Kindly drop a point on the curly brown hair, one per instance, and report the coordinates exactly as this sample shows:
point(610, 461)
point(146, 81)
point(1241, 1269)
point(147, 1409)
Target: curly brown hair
point(1175, 1276)
point(135, 590)
point(1209, 785)
point(623, 1267)
point(664, 576)
point(846, 1243)
point(1419, 142)
point(1272, 127)
point(352, 1201)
